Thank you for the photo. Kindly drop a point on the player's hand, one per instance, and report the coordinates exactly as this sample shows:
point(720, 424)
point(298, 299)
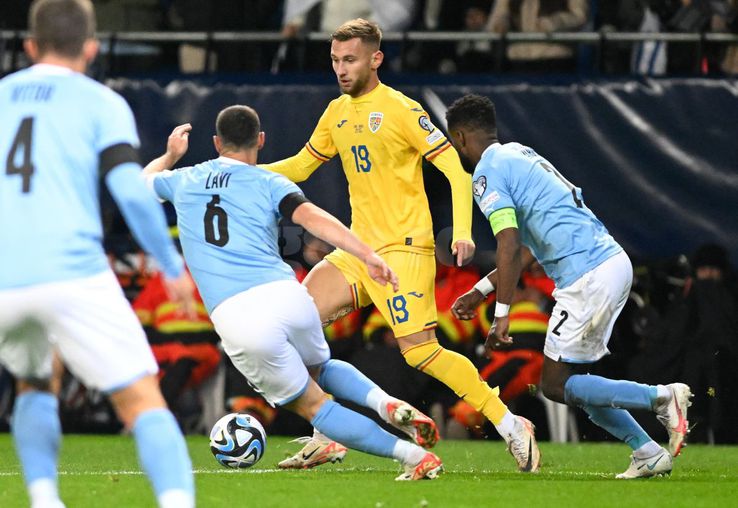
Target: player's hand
point(182, 291)
point(381, 272)
point(464, 307)
point(464, 251)
point(178, 142)
point(498, 337)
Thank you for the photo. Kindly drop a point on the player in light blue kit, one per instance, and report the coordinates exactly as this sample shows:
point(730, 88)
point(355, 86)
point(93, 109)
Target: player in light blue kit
point(227, 213)
point(530, 204)
point(61, 133)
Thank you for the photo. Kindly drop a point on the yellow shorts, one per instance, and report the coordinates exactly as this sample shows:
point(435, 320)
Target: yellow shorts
point(410, 310)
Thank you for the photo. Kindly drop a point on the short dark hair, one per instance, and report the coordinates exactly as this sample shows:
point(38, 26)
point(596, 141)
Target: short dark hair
point(238, 127)
point(473, 111)
point(61, 26)
point(367, 31)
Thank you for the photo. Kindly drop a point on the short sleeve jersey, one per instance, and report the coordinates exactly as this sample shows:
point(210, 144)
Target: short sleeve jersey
point(561, 232)
point(55, 123)
point(227, 215)
point(382, 138)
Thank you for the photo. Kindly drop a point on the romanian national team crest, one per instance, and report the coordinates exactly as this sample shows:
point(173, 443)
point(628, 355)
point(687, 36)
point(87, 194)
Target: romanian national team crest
point(375, 121)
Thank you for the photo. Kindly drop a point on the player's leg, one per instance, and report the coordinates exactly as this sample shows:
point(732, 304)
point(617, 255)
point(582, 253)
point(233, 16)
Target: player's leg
point(336, 288)
point(103, 345)
point(579, 330)
point(332, 294)
point(25, 351)
point(360, 433)
point(411, 312)
point(257, 335)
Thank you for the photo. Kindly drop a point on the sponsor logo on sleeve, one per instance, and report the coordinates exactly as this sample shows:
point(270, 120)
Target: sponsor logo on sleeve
point(433, 137)
point(490, 200)
point(479, 186)
point(375, 121)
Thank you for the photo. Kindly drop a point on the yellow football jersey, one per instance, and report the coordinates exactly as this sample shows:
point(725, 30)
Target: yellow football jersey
point(381, 138)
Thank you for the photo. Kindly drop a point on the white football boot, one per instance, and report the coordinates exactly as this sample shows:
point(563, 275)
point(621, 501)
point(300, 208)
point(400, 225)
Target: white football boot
point(657, 465)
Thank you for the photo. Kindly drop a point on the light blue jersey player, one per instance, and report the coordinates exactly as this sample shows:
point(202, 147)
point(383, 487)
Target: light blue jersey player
point(554, 223)
point(61, 134)
point(227, 212)
point(230, 239)
point(528, 202)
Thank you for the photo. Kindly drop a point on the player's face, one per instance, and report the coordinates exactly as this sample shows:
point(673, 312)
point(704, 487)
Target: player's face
point(354, 64)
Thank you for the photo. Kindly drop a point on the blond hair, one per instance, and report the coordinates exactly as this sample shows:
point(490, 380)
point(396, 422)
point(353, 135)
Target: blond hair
point(367, 31)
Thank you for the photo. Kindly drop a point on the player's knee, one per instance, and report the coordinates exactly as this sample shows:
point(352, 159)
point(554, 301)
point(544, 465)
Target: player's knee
point(309, 403)
point(138, 397)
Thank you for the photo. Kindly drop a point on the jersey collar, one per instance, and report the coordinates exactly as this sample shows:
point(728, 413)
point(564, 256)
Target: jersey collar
point(368, 96)
point(45, 68)
point(490, 148)
point(232, 162)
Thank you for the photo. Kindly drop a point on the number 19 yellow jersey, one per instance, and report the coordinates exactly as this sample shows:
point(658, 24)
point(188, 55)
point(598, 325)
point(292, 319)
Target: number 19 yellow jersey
point(381, 138)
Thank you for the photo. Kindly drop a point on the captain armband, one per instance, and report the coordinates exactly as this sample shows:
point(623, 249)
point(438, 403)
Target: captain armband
point(503, 219)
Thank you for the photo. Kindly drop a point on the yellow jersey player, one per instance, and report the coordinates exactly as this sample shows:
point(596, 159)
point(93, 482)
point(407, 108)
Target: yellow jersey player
point(382, 136)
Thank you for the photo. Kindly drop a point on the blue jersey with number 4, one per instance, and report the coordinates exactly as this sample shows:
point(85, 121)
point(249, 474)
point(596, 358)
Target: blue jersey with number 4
point(561, 232)
point(55, 123)
point(227, 214)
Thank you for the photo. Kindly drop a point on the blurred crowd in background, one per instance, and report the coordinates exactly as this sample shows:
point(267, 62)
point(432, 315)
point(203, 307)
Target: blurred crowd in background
point(296, 18)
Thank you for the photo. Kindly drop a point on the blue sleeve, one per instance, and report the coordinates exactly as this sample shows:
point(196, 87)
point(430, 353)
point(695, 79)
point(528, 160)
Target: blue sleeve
point(116, 123)
point(164, 183)
point(279, 187)
point(144, 216)
point(491, 188)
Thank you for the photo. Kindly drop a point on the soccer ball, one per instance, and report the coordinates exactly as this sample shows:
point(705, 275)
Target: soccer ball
point(237, 440)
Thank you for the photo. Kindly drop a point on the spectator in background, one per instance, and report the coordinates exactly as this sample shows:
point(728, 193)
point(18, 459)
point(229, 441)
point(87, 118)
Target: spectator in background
point(539, 16)
point(472, 56)
point(709, 310)
point(184, 347)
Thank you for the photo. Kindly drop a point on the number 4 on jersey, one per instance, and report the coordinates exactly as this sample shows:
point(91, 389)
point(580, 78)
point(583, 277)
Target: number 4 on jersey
point(22, 145)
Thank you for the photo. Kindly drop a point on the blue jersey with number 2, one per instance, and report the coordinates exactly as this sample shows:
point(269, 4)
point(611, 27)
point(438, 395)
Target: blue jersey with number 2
point(227, 214)
point(561, 232)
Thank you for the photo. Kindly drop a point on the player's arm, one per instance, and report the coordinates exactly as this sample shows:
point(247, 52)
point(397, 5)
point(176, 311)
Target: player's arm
point(317, 150)
point(298, 167)
point(145, 218)
point(448, 162)
point(325, 226)
point(464, 307)
point(177, 145)
point(509, 266)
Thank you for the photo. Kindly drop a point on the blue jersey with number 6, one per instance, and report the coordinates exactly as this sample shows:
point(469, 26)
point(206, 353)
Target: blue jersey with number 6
point(227, 214)
point(561, 232)
point(55, 124)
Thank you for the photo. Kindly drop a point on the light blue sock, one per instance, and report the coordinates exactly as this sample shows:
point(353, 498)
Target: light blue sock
point(586, 390)
point(37, 434)
point(162, 452)
point(344, 381)
point(353, 430)
point(620, 424)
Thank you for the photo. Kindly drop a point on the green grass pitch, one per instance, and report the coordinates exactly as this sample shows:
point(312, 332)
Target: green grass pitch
point(102, 471)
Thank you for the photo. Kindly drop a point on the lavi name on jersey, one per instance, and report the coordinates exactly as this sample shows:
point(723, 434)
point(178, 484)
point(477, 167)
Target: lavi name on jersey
point(217, 180)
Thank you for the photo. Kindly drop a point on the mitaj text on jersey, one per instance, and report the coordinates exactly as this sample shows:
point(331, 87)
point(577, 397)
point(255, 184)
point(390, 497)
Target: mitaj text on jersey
point(217, 180)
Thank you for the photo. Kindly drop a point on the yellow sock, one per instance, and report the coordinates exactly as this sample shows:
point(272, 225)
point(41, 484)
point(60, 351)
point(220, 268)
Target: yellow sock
point(458, 373)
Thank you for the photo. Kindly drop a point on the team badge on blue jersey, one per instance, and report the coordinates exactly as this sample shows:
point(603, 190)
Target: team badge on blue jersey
point(375, 121)
point(480, 185)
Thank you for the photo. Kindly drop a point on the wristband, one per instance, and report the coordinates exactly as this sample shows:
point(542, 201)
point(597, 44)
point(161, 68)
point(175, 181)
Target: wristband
point(501, 310)
point(484, 286)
